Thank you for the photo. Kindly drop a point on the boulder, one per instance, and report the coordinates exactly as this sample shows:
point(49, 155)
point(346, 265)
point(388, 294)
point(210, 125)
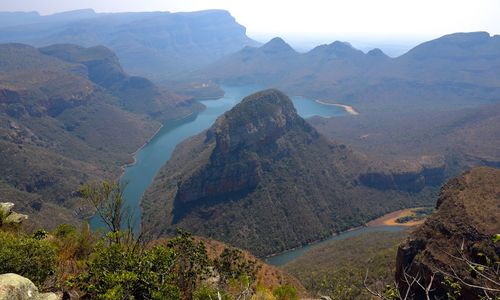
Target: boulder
point(17, 287)
point(15, 218)
point(9, 216)
point(6, 207)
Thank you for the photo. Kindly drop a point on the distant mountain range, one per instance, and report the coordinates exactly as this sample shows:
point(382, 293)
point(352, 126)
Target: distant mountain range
point(263, 179)
point(457, 69)
point(69, 114)
point(157, 45)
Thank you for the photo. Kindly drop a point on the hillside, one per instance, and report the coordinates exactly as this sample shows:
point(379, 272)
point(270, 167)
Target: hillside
point(262, 179)
point(458, 242)
point(339, 268)
point(461, 139)
point(69, 114)
point(157, 45)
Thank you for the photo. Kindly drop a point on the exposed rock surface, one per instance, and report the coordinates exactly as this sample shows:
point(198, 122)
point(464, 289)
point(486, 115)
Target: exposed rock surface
point(7, 216)
point(467, 217)
point(17, 287)
point(411, 179)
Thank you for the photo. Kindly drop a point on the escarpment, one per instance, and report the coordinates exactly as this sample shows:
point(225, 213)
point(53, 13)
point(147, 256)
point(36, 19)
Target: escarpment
point(460, 234)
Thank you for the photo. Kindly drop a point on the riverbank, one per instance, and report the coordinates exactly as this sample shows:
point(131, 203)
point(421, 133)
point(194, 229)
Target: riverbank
point(390, 218)
point(349, 109)
point(133, 155)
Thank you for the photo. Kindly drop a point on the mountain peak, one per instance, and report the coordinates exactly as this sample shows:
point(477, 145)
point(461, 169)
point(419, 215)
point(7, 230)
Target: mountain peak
point(338, 49)
point(454, 45)
point(263, 116)
point(277, 45)
point(377, 53)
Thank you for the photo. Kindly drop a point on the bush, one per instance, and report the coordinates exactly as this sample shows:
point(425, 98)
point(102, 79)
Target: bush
point(120, 272)
point(27, 256)
point(285, 292)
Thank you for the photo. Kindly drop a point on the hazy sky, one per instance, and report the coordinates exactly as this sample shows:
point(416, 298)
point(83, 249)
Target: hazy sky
point(375, 19)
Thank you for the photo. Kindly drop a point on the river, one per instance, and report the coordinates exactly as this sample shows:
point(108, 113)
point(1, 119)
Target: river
point(288, 256)
point(150, 158)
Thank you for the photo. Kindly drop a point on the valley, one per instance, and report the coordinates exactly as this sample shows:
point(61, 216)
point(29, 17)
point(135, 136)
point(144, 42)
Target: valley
point(168, 154)
point(157, 151)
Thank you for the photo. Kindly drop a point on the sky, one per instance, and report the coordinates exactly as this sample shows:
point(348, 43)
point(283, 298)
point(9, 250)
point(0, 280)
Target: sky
point(314, 21)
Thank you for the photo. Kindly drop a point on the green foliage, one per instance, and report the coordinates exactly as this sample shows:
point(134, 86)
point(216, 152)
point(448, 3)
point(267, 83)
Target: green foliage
point(231, 264)
point(64, 230)
point(40, 234)
point(192, 263)
point(209, 293)
point(27, 256)
point(391, 292)
point(337, 271)
point(286, 292)
point(117, 271)
point(496, 238)
point(454, 288)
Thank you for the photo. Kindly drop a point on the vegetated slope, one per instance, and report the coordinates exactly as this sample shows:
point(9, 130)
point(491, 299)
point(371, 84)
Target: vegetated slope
point(463, 228)
point(262, 179)
point(338, 269)
point(65, 121)
point(461, 139)
point(268, 276)
point(456, 70)
point(157, 45)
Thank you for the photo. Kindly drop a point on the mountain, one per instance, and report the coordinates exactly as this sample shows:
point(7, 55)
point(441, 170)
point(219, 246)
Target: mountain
point(263, 179)
point(438, 102)
point(157, 45)
point(462, 235)
point(456, 70)
point(69, 114)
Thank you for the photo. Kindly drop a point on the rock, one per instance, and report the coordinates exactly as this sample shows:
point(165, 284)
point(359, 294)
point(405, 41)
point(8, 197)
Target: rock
point(10, 217)
point(6, 207)
point(17, 287)
point(15, 218)
point(466, 219)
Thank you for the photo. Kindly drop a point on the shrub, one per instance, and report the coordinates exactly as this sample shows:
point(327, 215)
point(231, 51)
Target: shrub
point(119, 272)
point(27, 256)
point(285, 292)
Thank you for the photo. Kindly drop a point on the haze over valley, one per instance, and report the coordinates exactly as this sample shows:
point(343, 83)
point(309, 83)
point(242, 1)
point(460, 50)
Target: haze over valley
point(187, 154)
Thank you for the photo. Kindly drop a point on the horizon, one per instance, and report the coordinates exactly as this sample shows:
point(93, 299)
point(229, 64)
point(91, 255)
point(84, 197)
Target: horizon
point(390, 25)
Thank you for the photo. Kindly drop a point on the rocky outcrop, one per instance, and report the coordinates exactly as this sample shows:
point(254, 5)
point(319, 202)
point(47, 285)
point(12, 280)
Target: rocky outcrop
point(7, 216)
point(230, 172)
point(410, 181)
point(17, 287)
point(461, 230)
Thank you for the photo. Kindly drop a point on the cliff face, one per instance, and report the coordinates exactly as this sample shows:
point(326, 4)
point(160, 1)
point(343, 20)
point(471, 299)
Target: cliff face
point(242, 138)
point(263, 179)
point(467, 217)
point(412, 180)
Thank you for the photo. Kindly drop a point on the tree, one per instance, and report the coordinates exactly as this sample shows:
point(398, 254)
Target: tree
point(107, 199)
point(192, 263)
